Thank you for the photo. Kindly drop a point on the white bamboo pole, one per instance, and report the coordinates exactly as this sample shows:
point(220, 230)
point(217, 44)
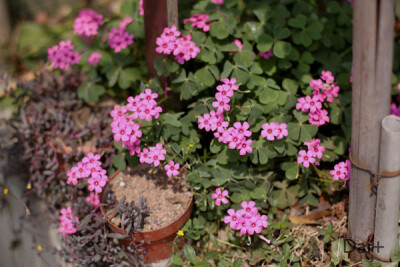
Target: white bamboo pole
point(388, 196)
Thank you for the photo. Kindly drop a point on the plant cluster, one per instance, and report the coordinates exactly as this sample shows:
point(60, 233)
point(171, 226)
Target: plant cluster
point(245, 136)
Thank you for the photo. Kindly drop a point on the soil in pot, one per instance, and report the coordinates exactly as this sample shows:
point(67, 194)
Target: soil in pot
point(167, 197)
point(169, 204)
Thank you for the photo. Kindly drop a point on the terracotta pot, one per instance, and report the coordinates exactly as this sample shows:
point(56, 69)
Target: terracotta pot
point(158, 243)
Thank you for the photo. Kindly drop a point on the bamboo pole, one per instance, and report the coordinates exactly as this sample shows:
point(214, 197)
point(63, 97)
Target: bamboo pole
point(158, 14)
point(372, 62)
point(388, 198)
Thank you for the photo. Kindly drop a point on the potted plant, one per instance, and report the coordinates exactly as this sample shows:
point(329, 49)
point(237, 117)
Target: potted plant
point(160, 185)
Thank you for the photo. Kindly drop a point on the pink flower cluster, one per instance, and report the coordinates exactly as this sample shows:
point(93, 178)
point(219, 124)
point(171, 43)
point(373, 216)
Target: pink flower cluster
point(235, 136)
point(118, 38)
point(199, 20)
point(93, 199)
point(274, 129)
point(314, 150)
point(89, 166)
point(183, 48)
point(325, 89)
point(62, 55)
point(217, 1)
point(94, 58)
point(68, 222)
point(126, 131)
point(341, 171)
point(153, 155)
point(172, 168)
point(246, 220)
point(220, 196)
point(267, 55)
point(87, 22)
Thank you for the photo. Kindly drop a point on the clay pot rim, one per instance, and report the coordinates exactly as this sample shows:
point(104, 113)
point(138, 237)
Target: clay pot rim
point(158, 233)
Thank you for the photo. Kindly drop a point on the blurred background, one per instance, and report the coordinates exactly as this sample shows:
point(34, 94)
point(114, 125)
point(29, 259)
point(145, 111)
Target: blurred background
point(29, 27)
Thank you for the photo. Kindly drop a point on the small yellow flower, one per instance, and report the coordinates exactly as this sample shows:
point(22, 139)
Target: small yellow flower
point(39, 247)
point(29, 186)
point(191, 145)
point(5, 191)
point(180, 233)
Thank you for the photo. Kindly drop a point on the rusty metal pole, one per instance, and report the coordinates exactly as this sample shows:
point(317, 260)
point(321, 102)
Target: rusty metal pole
point(372, 62)
point(158, 14)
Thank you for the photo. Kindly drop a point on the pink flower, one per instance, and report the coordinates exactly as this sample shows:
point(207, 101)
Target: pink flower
point(249, 209)
point(245, 147)
point(68, 222)
point(327, 76)
point(267, 55)
point(94, 58)
point(264, 220)
point(125, 22)
point(145, 156)
point(72, 177)
point(172, 168)
point(314, 147)
point(222, 104)
point(157, 154)
point(233, 138)
point(234, 218)
point(342, 171)
point(87, 22)
point(238, 43)
point(182, 48)
point(219, 196)
point(269, 131)
point(230, 83)
point(305, 158)
point(311, 104)
point(63, 56)
point(242, 129)
point(92, 160)
point(254, 225)
point(199, 21)
point(206, 122)
point(246, 220)
point(119, 39)
point(93, 199)
point(320, 117)
point(164, 45)
point(218, 1)
point(282, 131)
point(82, 171)
point(96, 184)
point(224, 90)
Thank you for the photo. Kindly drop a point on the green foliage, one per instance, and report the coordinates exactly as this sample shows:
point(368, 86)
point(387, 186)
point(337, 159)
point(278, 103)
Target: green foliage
point(305, 37)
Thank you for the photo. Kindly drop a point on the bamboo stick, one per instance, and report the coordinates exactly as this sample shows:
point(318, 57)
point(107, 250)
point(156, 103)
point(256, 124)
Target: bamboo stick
point(158, 14)
point(372, 62)
point(388, 198)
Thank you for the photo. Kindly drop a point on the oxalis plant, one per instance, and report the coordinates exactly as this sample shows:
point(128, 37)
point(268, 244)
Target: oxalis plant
point(262, 124)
